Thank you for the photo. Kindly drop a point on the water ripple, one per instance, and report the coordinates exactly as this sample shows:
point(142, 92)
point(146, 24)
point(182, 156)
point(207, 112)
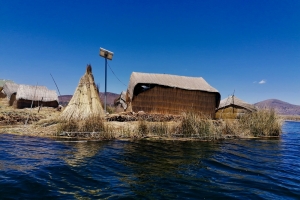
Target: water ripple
point(232, 169)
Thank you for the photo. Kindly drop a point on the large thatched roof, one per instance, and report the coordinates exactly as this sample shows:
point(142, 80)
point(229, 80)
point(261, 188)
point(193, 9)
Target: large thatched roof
point(182, 82)
point(36, 93)
point(233, 100)
point(85, 101)
point(10, 88)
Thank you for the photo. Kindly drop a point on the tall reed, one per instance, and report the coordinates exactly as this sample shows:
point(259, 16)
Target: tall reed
point(67, 126)
point(198, 126)
point(160, 129)
point(92, 124)
point(261, 123)
point(142, 128)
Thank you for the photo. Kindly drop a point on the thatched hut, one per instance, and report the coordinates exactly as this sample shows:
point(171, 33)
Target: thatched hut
point(85, 101)
point(10, 90)
point(29, 95)
point(120, 102)
point(233, 108)
point(171, 94)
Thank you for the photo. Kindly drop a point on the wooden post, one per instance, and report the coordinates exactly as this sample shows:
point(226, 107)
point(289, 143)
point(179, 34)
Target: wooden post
point(40, 105)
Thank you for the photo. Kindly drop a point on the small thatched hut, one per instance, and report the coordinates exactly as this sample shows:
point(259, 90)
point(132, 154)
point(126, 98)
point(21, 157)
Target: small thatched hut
point(233, 108)
point(28, 95)
point(10, 90)
point(120, 102)
point(85, 101)
point(171, 94)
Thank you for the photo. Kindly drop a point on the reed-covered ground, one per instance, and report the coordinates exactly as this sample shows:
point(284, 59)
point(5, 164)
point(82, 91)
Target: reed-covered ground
point(263, 123)
point(46, 122)
point(291, 117)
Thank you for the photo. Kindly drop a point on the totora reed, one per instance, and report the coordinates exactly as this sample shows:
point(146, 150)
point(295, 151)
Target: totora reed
point(85, 101)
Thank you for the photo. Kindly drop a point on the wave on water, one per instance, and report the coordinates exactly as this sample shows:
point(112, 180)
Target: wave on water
point(233, 169)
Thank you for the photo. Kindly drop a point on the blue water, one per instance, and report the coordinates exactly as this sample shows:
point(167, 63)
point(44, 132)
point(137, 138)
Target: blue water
point(39, 168)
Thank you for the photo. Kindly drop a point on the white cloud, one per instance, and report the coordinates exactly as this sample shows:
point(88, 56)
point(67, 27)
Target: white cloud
point(262, 82)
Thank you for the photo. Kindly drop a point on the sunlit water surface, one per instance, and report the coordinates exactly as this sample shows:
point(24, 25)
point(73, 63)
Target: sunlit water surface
point(254, 169)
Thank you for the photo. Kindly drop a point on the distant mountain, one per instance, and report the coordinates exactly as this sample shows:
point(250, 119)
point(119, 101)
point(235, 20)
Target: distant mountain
point(64, 99)
point(110, 98)
point(281, 107)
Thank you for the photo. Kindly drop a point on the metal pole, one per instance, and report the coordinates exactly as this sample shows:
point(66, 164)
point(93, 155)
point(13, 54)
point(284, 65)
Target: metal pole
point(105, 84)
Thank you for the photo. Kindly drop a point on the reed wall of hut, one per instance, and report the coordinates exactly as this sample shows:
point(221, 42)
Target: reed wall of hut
point(23, 103)
point(167, 100)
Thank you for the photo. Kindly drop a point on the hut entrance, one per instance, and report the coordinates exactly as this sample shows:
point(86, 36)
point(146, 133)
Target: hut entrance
point(12, 99)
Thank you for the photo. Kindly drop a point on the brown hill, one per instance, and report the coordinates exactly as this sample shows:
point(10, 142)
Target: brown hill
point(281, 107)
point(110, 97)
point(64, 99)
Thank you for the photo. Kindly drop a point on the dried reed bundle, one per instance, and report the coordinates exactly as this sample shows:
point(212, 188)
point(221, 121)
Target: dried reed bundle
point(85, 101)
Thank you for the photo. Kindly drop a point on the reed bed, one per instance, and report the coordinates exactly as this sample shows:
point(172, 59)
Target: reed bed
point(198, 126)
point(291, 117)
point(93, 125)
point(161, 129)
point(262, 123)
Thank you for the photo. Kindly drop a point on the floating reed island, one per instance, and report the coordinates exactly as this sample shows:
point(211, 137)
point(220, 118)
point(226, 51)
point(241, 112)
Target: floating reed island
point(173, 107)
point(155, 106)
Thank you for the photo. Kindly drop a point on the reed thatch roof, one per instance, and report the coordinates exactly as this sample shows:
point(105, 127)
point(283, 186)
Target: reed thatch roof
point(85, 101)
point(182, 82)
point(233, 100)
point(3, 81)
point(36, 93)
point(10, 88)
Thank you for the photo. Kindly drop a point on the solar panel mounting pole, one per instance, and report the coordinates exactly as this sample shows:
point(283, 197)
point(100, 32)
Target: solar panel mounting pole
point(107, 55)
point(105, 97)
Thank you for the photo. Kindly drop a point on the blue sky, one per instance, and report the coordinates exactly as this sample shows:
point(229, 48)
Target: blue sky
point(250, 47)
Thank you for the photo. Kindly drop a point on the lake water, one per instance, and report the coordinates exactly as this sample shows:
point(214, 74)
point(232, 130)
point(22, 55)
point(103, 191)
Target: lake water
point(32, 168)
